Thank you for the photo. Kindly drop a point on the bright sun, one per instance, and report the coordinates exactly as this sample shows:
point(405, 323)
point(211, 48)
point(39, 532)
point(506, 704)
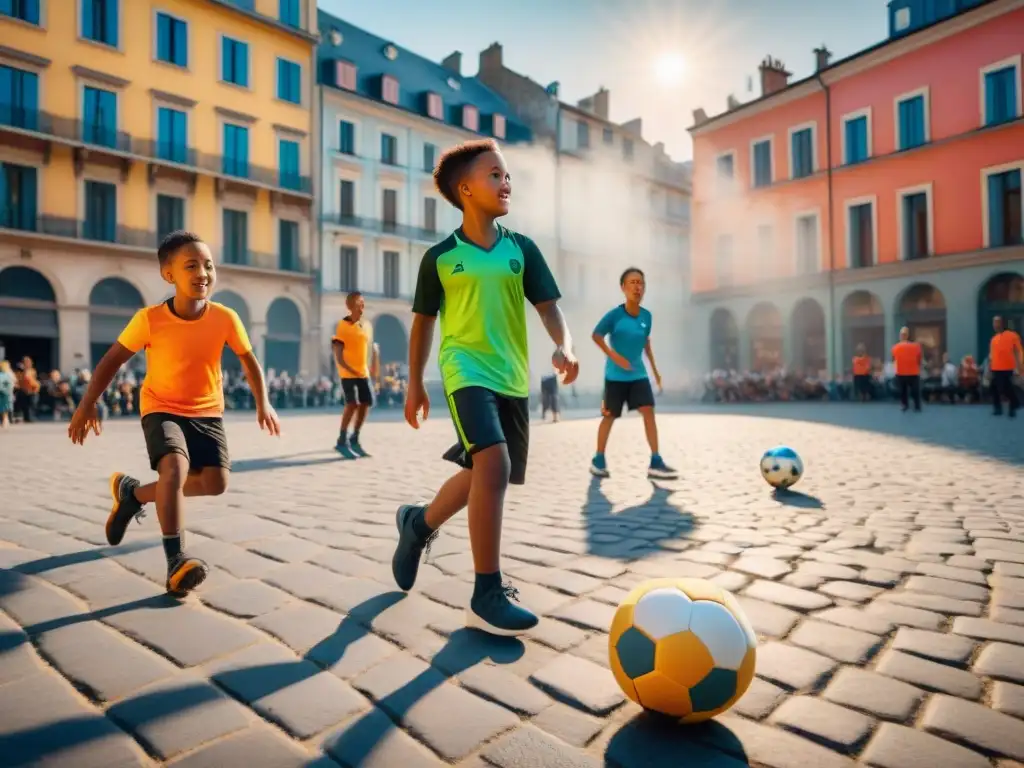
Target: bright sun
point(669, 68)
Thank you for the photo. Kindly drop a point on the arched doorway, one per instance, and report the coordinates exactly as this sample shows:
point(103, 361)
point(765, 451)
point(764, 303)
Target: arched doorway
point(922, 309)
point(1002, 295)
point(764, 326)
point(112, 302)
point(725, 340)
point(808, 335)
point(389, 334)
point(863, 323)
point(229, 360)
point(28, 318)
point(284, 337)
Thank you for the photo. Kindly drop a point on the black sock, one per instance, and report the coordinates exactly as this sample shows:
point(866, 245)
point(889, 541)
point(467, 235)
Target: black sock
point(419, 524)
point(342, 436)
point(355, 436)
point(486, 582)
point(172, 546)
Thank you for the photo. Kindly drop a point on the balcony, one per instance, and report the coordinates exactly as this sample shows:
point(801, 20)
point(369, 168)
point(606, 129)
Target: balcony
point(30, 124)
point(381, 227)
point(294, 263)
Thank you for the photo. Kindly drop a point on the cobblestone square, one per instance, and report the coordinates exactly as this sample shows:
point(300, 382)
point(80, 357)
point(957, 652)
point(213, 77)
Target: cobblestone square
point(888, 596)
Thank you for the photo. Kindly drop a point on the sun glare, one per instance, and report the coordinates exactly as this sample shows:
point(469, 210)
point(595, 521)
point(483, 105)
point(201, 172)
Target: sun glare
point(669, 68)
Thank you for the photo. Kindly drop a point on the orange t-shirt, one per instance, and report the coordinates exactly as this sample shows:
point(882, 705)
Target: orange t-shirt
point(183, 375)
point(861, 365)
point(1003, 351)
point(907, 355)
point(356, 340)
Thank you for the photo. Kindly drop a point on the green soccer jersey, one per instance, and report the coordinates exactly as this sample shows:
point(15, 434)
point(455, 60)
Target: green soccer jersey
point(480, 294)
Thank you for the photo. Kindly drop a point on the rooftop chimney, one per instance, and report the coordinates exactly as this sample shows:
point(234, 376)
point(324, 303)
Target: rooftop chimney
point(699, 117)
point(453, 62)
point(490, 59)
point(822, 56)
point(731, 103)
point(774, 76)
point(634, 127)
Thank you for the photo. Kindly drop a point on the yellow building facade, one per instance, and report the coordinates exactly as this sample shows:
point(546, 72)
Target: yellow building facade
point(122, 120)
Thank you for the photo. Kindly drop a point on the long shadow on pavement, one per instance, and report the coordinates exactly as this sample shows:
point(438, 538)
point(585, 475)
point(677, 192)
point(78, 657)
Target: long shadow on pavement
point(284, 462)
point(636, 530)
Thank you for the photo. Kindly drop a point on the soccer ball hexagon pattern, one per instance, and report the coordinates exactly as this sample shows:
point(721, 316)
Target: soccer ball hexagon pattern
point(682, 647)
point(781, 467)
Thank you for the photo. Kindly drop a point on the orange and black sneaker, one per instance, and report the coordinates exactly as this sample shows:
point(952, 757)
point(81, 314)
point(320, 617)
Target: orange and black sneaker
point(124, 508)
point(185, 573)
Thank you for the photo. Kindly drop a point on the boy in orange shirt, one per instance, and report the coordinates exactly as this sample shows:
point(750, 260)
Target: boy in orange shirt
point(907, 356)
point(862, 374)
point(182, 401)
point(353, 348)
point(1005, 358)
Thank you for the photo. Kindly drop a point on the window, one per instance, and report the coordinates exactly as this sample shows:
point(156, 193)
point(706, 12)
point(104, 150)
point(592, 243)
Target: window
point(289, 81)
point(288, 163)
point(345, 75)
point(627, 149)
point(99, 21)
point(289, 12)
point(236, 237)
point(390, 206)
point(18, 196)
point(170, 215)
point(807, 256)
point(391, 274)
point(430, 214)
point(725, 166)
point(100, 211)
point(470, 118)
point(388, 149)
point(1002, 97)
point(288, 245)
point(498, 126)
point(802, 153)
point(761, 163)
point(234, 62)
point(389, 89)
point(100, 124)
point(723, 260)
point(236, 150)
point(347, 199)
point(19, 98)
point(435, 107)
point(347, 138)
point(429, 157)
point(861, 235)
point(582, 135)
point(172, 135)
point(1004, 208)
point(171, 40)
point(24, 10)
point(349, 268)
point(914, 224)
point(912, 122)
point(608, 136)
point(857, 139)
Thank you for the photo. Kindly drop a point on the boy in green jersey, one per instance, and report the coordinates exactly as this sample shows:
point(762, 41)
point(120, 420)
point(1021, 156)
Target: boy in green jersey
point(477, 280)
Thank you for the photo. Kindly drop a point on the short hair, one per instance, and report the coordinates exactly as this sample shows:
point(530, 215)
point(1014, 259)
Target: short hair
point(454, 163)
point(174, 241)
point(352, 297)
point(629, 271)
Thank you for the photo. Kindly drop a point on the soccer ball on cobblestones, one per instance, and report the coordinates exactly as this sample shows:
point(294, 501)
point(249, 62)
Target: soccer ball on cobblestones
point(682, 647)
point(781, 467)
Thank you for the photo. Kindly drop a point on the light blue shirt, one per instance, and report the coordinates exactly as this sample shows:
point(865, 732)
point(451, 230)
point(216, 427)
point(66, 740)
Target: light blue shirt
point(628, 336)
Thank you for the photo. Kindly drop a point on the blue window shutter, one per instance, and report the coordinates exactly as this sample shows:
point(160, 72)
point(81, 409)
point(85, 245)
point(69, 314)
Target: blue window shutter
point(996, 189)
point(163, 37)
point(32, 11)
point(6, 213)
point(181, 137)
point(851, 142)
point(29, 100)
point(242, 64)
point(90, 114)
point(226, 59)
point(163, 132)
point(180, 42)
point(87, 19)
point(855, 237)
point(243, 150)
point(282, 79)
point(991, 99)
point(110, 33)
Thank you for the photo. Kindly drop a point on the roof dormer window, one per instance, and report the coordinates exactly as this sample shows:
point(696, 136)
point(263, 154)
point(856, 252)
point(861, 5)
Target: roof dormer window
point(470, 118)
point(389, 89)
point(435, 107)
point(345, 75)
point(499, 126)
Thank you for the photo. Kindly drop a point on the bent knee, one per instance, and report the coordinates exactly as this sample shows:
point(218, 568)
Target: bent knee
point(492, 465)
point(173, 468)
point(215, 481)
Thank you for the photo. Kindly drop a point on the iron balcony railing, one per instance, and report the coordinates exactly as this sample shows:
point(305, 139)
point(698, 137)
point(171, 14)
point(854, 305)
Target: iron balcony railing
point(381, 226)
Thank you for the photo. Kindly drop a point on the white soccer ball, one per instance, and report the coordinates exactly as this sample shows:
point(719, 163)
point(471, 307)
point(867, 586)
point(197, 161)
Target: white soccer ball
point(781, 467)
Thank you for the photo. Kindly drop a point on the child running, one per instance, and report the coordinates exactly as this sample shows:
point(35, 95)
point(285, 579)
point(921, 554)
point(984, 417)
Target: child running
point(477, 280)
point(356, 358)
point(628, 328)
point(182, 401)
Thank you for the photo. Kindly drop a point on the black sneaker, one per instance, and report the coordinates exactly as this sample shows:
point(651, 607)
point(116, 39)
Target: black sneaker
point(185, 573)
point(495, 612)
point(342, 447)
point(405, 565)
point(357, 449)
point(659, 470)
point(125, 507)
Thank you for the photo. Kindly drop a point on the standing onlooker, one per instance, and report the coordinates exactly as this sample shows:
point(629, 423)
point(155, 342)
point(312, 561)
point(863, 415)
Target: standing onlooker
point(906, 356)
point(26, 395)
point(549, 396)
point(949, 380)
point(862, 374)
point(6, 393)
point(969, 380)
point(1005, 359)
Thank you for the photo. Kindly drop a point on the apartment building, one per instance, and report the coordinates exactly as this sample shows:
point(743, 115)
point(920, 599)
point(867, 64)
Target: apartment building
point(387, 116)
point(882, 191)
point(122, 121)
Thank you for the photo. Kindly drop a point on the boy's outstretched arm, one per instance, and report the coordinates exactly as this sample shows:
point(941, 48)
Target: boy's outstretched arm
point(421, 335)
point(554, 323)
point(265, 413)
point(106, 369)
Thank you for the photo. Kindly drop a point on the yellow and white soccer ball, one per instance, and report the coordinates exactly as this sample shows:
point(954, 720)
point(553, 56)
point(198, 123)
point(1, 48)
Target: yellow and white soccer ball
point(682, 647)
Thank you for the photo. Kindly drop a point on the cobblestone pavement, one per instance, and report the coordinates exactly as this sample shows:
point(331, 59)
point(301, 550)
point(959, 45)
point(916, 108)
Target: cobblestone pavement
point(889, 600)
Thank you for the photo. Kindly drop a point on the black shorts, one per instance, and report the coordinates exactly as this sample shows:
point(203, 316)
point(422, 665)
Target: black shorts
point(862, 384)
point(484, 418)
point(201, 440)
point(635, 394)
point(357, 391)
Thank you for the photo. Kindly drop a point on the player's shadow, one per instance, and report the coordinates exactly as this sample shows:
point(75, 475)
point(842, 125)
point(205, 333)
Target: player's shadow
point(792, 498)
point(313, 458)
point(634, 531)
point(663, 742)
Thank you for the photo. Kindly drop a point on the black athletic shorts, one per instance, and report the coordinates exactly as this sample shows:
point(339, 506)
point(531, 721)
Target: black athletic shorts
point(484, 418)
point(635, 394)
point(357, 391)
point(201, 440)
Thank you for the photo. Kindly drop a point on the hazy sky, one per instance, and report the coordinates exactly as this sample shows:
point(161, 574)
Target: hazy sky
point(631, 47)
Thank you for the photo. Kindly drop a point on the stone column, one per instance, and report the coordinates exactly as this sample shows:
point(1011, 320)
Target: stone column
point(257, 332)
point(73, 325)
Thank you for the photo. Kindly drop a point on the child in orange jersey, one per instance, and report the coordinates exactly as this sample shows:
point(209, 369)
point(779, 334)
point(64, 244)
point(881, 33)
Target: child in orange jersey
point(182, 401)
point(907, 356)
